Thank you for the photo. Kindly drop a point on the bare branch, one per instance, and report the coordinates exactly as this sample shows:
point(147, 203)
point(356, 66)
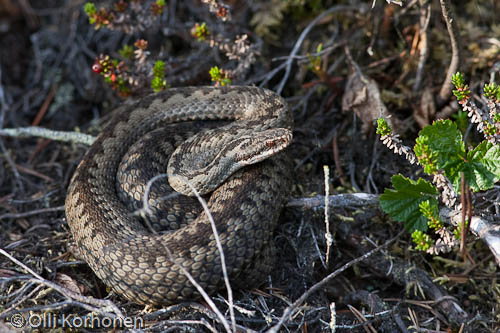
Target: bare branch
point(451, 25)
point(33, 131)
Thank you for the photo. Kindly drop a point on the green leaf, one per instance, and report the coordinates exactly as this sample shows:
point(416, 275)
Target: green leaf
point(423, 241)
point(127, 52)
point(402, 202)
point(458, 80)
point(462, 120)
point(444, 138)
point(444, 141)
point(383, 127)
point(482, 168)
point(215, 73)
point(426, 157)
point(89, 8)
point(159, 69)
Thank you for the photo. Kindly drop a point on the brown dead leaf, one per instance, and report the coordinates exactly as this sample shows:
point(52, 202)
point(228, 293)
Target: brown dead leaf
point(362, 96)
point(425, 113)
point(67, 282)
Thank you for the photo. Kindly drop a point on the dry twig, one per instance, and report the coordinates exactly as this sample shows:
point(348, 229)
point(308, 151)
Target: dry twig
point(451, 25)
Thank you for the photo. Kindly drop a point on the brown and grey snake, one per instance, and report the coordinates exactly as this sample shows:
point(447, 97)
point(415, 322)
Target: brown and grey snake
point(218, 140)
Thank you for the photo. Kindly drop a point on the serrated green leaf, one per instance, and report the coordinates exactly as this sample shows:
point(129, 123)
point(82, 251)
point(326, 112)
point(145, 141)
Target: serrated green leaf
point(445, 142)
point(444, 138)
point(482, 169)
point(402, 202)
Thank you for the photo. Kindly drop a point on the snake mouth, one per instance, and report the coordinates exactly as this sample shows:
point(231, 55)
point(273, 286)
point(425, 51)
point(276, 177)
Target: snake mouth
point(271, 146)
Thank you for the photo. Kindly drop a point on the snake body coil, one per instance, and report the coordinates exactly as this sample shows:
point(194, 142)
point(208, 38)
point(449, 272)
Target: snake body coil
point(245, 194)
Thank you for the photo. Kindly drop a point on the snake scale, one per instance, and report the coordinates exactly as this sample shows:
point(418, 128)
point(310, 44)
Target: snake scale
point(227, 137)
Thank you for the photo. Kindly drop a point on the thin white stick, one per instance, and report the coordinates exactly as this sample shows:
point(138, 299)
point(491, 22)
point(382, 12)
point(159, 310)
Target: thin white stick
point(184, 271)
point(222, 257)
point(328, 234)
point(22, 132)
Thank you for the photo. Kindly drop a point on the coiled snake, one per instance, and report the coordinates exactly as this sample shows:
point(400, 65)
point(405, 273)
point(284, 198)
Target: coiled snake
point(232, 131)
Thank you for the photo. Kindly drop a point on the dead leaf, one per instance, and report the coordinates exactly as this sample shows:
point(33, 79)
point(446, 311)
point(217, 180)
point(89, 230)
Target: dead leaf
point(362, 96)
point(425, 113)
point(67, 282)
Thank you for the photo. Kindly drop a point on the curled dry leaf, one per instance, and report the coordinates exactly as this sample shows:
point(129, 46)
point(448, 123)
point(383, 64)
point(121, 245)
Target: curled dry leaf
point(67, 282)
point(425, 112)
point(362, 96)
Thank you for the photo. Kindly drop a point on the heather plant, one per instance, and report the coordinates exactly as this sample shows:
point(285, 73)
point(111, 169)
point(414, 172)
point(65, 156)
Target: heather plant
point(127, 16)
point(137, 68)
point(455, 168)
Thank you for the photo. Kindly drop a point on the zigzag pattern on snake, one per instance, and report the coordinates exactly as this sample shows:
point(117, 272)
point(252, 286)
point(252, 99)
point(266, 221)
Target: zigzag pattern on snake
point(215, 133)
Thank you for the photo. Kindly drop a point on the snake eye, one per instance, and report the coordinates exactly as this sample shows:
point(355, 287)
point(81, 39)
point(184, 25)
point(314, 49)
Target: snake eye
point(271, 144)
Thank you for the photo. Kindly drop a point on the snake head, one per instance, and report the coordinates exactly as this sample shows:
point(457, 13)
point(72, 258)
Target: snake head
point(205, 170)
